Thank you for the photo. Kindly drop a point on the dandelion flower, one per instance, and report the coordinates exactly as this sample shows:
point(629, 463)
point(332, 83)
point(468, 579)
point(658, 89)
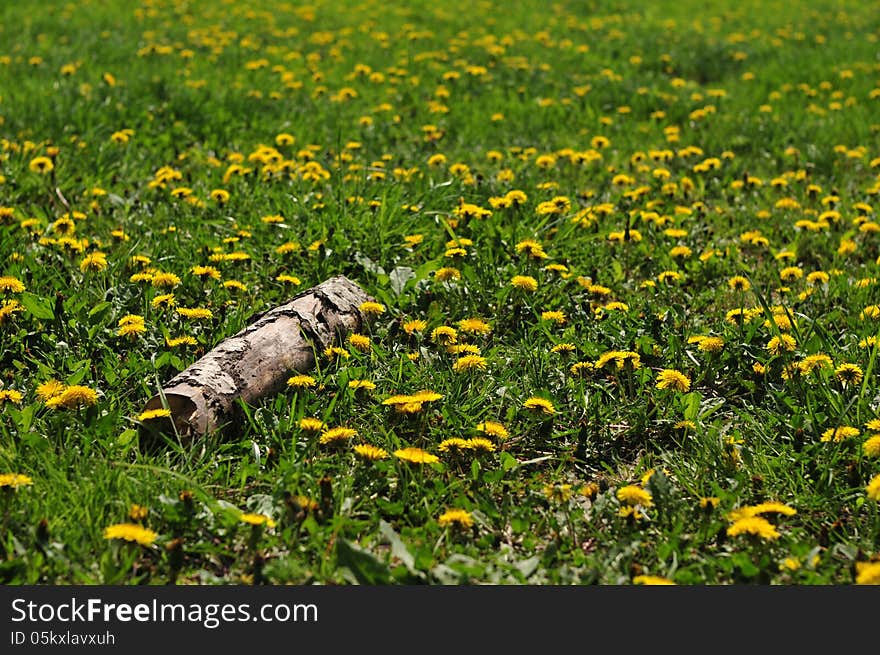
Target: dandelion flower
point(447, 273)
point(10, 396)
point(474, 326)
point(371, 308)
point(414, 325)
point(493, 429)
point(469, 362)
point(455, 517)
point(416, 456)
point(8, 308)
point(456, 444)
point(206, 272)
point(73, 396)
point(131, 532)
point(15, 480)
point(753, 525)
point(848, 373)
point(524, 282)
point(335, 435)
point(257, 519)
point(672, 379)
point(49, 389)
point(634, 495)
point(185, 340)
point(868, 573)
point(360, 342)
point(161, 279)
point(11, 284)
point(840, 433)
point(781, 343)
point(151, 414)
point(41, 165)
point(94, 262)
point(195, 312)
point(311, 424)
point(371, 453)
point(480, 445)
point(652, 580)
point(541, 405)
point(871, 446)
point(553, 316)
point(873, 488)
point(444, 335)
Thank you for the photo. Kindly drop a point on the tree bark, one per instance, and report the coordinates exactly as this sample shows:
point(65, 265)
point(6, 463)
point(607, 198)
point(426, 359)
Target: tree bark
point(257, 361)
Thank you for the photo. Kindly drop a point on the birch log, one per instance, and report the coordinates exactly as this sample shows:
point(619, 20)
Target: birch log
point(258, 360)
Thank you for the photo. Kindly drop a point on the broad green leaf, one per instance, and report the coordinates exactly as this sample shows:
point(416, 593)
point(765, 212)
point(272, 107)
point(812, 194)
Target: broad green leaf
point(365, 566)
point(38, 307)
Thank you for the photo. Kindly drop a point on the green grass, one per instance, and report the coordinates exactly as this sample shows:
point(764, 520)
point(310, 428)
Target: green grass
point(746, 135)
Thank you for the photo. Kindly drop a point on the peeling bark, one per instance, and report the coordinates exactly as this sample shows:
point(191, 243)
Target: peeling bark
point(257, 361)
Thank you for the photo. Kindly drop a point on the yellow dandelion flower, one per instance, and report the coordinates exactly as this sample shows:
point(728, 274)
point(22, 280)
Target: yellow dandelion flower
point(524, 282)
point(257, 519)
point(185, 340)
point(151, 414)
point(480, 444)
point(416, 456)
point(444, 335)
point(447, 273)
point(162, 279)
point(15, 480)
point(94, 262)
point(539, 405)
point(336, 435)
point(781, 343)
point(873, 488)
point(359, 342)
point(739, 283)
point(72, 397)
point(634, 495)
point(10, 396)
point(371, 453)
point(753, 525)
point(672, 379)
point(371, 308)
point(652, 580)
point(871, 446)
point(493, 429)
point(553, 316)
point(454, 444)
point(41, 165)
point(414, 325)
point(195, 312)
point(311, 424)
point(455, 517)
point(469, 362)
point(10, 284)
point(474, 326)
point(840, 433)
point(206, 272)
point(868, 573)
point(49, 389)
point(131, 532)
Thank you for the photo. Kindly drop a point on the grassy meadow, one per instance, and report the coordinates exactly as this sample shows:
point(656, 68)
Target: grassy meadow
point(625, 258)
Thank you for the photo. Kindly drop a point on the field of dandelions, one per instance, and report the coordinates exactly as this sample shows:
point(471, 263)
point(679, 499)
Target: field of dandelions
point(625, 260)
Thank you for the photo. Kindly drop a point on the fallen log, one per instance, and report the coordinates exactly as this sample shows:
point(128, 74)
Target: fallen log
point(257, 361)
